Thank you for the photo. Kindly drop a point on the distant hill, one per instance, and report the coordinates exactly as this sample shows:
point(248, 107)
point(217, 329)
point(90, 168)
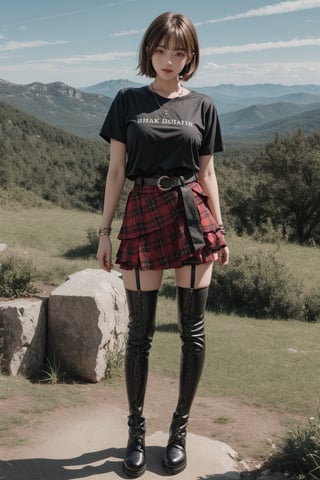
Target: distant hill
point(250, 119)
point(111, 87)
point(229, 97)
point(57, 166)
point(59, 105)
point(308, 122)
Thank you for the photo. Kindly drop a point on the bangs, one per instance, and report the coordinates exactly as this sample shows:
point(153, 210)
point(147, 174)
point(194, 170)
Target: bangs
point(172, 38)
point(176, 40)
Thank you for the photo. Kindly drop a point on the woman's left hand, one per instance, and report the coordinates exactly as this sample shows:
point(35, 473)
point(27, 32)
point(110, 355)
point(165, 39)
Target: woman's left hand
point(223, 256)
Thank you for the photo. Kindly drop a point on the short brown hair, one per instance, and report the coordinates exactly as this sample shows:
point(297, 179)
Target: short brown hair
point(170, 27)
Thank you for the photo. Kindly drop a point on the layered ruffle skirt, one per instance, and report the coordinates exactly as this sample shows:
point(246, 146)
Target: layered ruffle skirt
point(157, 233)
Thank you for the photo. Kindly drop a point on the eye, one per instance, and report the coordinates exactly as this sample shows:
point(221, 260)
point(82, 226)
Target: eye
point(158, 50)
point(181, 54)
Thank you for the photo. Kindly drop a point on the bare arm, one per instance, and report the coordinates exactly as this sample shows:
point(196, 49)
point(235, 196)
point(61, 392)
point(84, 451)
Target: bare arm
point(113, 190)
point(208, 181)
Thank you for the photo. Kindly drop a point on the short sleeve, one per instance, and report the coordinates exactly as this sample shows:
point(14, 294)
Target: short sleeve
point(212, 138)
point(114, 125)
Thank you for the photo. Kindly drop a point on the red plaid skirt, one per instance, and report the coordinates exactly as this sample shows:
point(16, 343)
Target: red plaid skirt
point(154, 234)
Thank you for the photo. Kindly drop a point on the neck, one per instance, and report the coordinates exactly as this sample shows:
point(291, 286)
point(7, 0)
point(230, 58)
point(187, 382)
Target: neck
point(167, 89)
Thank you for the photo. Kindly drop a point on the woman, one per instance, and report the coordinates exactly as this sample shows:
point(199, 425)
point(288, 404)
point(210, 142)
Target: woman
point(163, 137)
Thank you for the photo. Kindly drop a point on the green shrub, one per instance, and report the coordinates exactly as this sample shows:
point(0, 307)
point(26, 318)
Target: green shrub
point(85, 251)
point(16, 277)
point(14, 196)
point(299, 453)
point(256, 285)
point(268, 233)
point(311, 312)
point(93, 239)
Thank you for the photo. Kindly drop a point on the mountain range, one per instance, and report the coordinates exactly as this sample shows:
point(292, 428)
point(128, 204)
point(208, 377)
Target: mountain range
point(229, 97)
point(59, 105)
point(248, 113)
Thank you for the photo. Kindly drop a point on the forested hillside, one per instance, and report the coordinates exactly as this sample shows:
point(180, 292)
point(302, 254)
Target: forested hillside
point(53, 164)
point(265, 120)
point(308, 122)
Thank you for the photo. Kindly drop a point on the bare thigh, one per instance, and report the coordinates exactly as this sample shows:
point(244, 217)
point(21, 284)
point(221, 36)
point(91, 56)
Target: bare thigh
point(149, 279)
point(202, 277)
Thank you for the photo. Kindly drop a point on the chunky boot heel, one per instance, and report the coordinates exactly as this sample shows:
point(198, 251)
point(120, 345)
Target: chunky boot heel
point(191, 308)
point(142, 312)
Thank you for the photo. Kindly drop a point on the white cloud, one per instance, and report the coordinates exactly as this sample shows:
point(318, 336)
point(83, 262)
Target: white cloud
point(75, 75)
point(276, 9)
point(247, 73)
point(13, 45)
point(126, 33)
point(255, 47)
point(96, 57)
point(209, 74)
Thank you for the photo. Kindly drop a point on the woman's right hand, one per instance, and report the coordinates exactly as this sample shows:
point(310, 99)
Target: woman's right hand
point(104, 254)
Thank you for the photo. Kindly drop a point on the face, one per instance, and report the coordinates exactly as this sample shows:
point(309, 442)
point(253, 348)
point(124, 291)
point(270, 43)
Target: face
point(168, 62)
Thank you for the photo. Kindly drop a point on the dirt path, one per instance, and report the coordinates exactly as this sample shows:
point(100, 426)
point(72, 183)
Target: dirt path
point(249, 430)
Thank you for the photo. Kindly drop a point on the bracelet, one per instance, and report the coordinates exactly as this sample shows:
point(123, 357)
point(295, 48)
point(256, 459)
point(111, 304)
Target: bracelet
point(104, 231)
point(222, 229)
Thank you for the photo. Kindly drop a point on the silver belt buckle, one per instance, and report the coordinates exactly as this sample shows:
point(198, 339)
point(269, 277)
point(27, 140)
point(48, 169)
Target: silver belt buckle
point(163, 189)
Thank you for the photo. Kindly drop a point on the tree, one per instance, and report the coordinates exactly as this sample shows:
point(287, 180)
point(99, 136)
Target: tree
point(240, 181)
point(292, 179)
point(5, 168)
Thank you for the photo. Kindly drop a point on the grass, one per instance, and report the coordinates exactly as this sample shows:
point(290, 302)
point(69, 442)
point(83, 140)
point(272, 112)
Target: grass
point(267, 363)
point(45, 236)
point(273, 364)
point(299, 452)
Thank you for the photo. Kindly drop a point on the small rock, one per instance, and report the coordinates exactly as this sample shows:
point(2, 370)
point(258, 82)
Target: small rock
point(3, 247)
point(245, 467)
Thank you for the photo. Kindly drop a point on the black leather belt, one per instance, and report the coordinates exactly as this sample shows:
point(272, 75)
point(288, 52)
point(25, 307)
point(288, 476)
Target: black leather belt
point(164, 184)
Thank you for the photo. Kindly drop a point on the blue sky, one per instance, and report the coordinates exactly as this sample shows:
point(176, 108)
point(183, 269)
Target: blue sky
point(83, 42)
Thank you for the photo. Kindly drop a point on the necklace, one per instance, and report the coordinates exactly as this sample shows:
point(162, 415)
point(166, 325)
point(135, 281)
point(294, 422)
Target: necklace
point(164, 110)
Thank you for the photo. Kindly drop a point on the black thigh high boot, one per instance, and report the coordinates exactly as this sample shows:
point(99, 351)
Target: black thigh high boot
point(191, 308)
point(142, 312)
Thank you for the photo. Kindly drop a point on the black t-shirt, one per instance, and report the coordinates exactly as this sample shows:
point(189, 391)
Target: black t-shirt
point(163, 136)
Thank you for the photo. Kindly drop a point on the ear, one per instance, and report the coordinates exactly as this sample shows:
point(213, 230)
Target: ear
point(190, 58)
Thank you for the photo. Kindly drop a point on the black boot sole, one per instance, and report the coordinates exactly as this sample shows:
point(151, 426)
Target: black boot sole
point(133, 473)
point(173, 470)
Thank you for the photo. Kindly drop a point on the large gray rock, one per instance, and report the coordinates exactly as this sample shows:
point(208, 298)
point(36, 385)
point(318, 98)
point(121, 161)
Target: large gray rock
point(87, 323)
point(23, 329)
